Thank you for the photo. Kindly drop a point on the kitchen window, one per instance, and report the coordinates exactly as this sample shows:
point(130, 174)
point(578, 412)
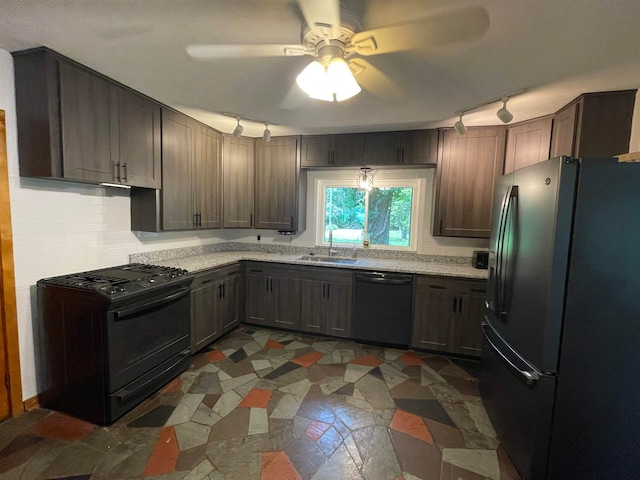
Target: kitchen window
point(387, 214)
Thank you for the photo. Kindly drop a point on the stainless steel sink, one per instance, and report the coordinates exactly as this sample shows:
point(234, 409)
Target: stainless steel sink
point(319, 259)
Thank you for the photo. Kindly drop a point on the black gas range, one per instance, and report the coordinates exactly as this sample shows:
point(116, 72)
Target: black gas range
point(112, 337)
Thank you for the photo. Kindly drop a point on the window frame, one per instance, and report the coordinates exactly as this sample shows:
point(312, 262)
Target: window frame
point(380, 181)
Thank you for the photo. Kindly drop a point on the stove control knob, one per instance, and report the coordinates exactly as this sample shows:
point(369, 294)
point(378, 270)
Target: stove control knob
point(120, 289)
point(152, 280)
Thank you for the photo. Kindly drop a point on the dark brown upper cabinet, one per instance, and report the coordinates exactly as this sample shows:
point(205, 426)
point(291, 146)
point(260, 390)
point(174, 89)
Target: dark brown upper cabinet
point(279, 185)
point(527, 143)
point(331, 150)
point(75, 124)
point(413, 147)
point(467, 168)
point(238, 167)
point(594, 125)
point(191, 195)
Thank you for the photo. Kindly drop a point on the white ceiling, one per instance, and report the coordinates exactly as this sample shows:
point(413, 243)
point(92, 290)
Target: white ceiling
point(555, 49)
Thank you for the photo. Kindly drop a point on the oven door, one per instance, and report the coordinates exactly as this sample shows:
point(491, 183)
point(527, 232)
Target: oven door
point(146, 334)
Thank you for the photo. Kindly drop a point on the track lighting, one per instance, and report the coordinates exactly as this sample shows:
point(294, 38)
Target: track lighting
point(460, 127)
point(239, 128)
point(266, 136)
point(503, 114)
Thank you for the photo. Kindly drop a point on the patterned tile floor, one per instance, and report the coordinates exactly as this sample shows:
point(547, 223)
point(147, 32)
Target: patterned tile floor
point(261, 404)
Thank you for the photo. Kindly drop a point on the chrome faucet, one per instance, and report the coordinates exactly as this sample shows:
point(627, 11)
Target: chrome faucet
point(331, 250)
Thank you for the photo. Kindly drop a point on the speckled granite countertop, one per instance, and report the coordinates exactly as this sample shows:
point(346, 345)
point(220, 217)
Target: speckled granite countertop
point(206, 261)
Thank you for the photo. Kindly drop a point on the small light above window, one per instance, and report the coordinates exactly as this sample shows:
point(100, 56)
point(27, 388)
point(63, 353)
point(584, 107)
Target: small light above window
point(364, 179)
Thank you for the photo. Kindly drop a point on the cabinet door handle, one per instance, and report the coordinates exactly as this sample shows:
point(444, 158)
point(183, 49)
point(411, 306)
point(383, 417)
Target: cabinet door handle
point(255, 270)
point(455, 304)
point(251, 219)
point(401, 154)
point(324, 288)
point(328, 289)
point(460, 305)
point(224, 290)
point(440, 227)
point(267, 284)
point(220, 291)
point(271, 281)
point(123, 168)
point(206, 281)
point(116, 171)
point(437, 287)
point(291, 221)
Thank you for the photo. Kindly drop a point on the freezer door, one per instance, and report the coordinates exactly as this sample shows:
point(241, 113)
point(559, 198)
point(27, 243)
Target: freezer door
point(529, 259)
point(519, 401)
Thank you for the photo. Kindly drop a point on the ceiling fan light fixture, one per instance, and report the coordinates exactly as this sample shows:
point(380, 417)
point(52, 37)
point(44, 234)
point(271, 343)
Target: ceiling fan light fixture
point(266, 136)
point(504, 115)
point(341, 80)
point(335, 82)
point(238, 130)
point(460, 127)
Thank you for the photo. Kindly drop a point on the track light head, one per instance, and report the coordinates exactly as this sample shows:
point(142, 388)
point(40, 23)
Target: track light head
point(460, 127)
point(238, 130)
point(503, 114)
point(266, 136)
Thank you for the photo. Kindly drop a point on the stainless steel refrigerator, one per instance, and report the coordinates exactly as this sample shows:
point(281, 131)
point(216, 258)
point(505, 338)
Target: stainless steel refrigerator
point(561, 354)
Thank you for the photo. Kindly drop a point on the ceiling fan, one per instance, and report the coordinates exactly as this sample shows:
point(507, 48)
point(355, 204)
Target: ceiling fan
point(333, 35)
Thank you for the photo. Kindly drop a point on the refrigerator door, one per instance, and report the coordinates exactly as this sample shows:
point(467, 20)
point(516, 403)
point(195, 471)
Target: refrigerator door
point(519, 401)
point(596, 432)
point(529, 259)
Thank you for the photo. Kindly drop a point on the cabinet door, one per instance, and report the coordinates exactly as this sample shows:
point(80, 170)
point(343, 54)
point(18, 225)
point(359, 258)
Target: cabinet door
point(276, 183)
point(208, 178)
point(285, 297)
point(419, 147)
point(527, 143)
point(178, 146)
point(312, 308)
point(238, 160)
point(258, 300)
point(468, 167)
point(229, 307)
point(468, 334)
point(338, 309)
point(382, 148)
point(316, 151)
point(139, 136)
point(564, 131)
point(205, 324)
point(432, 319)
point(87, 104)
point(348, 150)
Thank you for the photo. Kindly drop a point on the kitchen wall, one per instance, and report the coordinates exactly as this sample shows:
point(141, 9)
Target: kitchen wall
point(63, 227)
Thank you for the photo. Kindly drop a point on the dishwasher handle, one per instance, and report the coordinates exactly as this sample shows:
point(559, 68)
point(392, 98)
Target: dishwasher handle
point(381, 278)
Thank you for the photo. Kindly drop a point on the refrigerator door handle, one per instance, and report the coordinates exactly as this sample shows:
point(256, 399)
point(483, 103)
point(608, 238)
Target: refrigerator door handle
point(530, 377)
point(497, 277)
point(506, 262)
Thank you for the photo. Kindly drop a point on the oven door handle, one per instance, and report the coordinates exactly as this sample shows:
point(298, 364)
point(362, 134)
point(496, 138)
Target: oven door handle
point(141, 307)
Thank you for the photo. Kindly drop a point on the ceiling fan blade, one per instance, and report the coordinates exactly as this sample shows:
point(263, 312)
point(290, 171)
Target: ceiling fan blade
point(375, 81)
point(208, 52)
point(451, 26)
point(322, 17)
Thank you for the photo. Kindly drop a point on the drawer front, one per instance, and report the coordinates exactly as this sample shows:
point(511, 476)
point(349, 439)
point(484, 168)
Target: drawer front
point(450, 285)
point(323, 274)
point(215, 274)
point(272, 269)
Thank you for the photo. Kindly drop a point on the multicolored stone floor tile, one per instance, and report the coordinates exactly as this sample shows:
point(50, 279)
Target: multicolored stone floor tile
point(262, 404)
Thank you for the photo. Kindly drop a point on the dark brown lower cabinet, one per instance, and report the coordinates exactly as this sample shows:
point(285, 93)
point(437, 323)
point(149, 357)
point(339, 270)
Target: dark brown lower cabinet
point(272, 295)
point(447, 315)
point(326, 301)
point(215, 304)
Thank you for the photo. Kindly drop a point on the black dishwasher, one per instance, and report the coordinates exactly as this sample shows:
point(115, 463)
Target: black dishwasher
point(382, 310)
